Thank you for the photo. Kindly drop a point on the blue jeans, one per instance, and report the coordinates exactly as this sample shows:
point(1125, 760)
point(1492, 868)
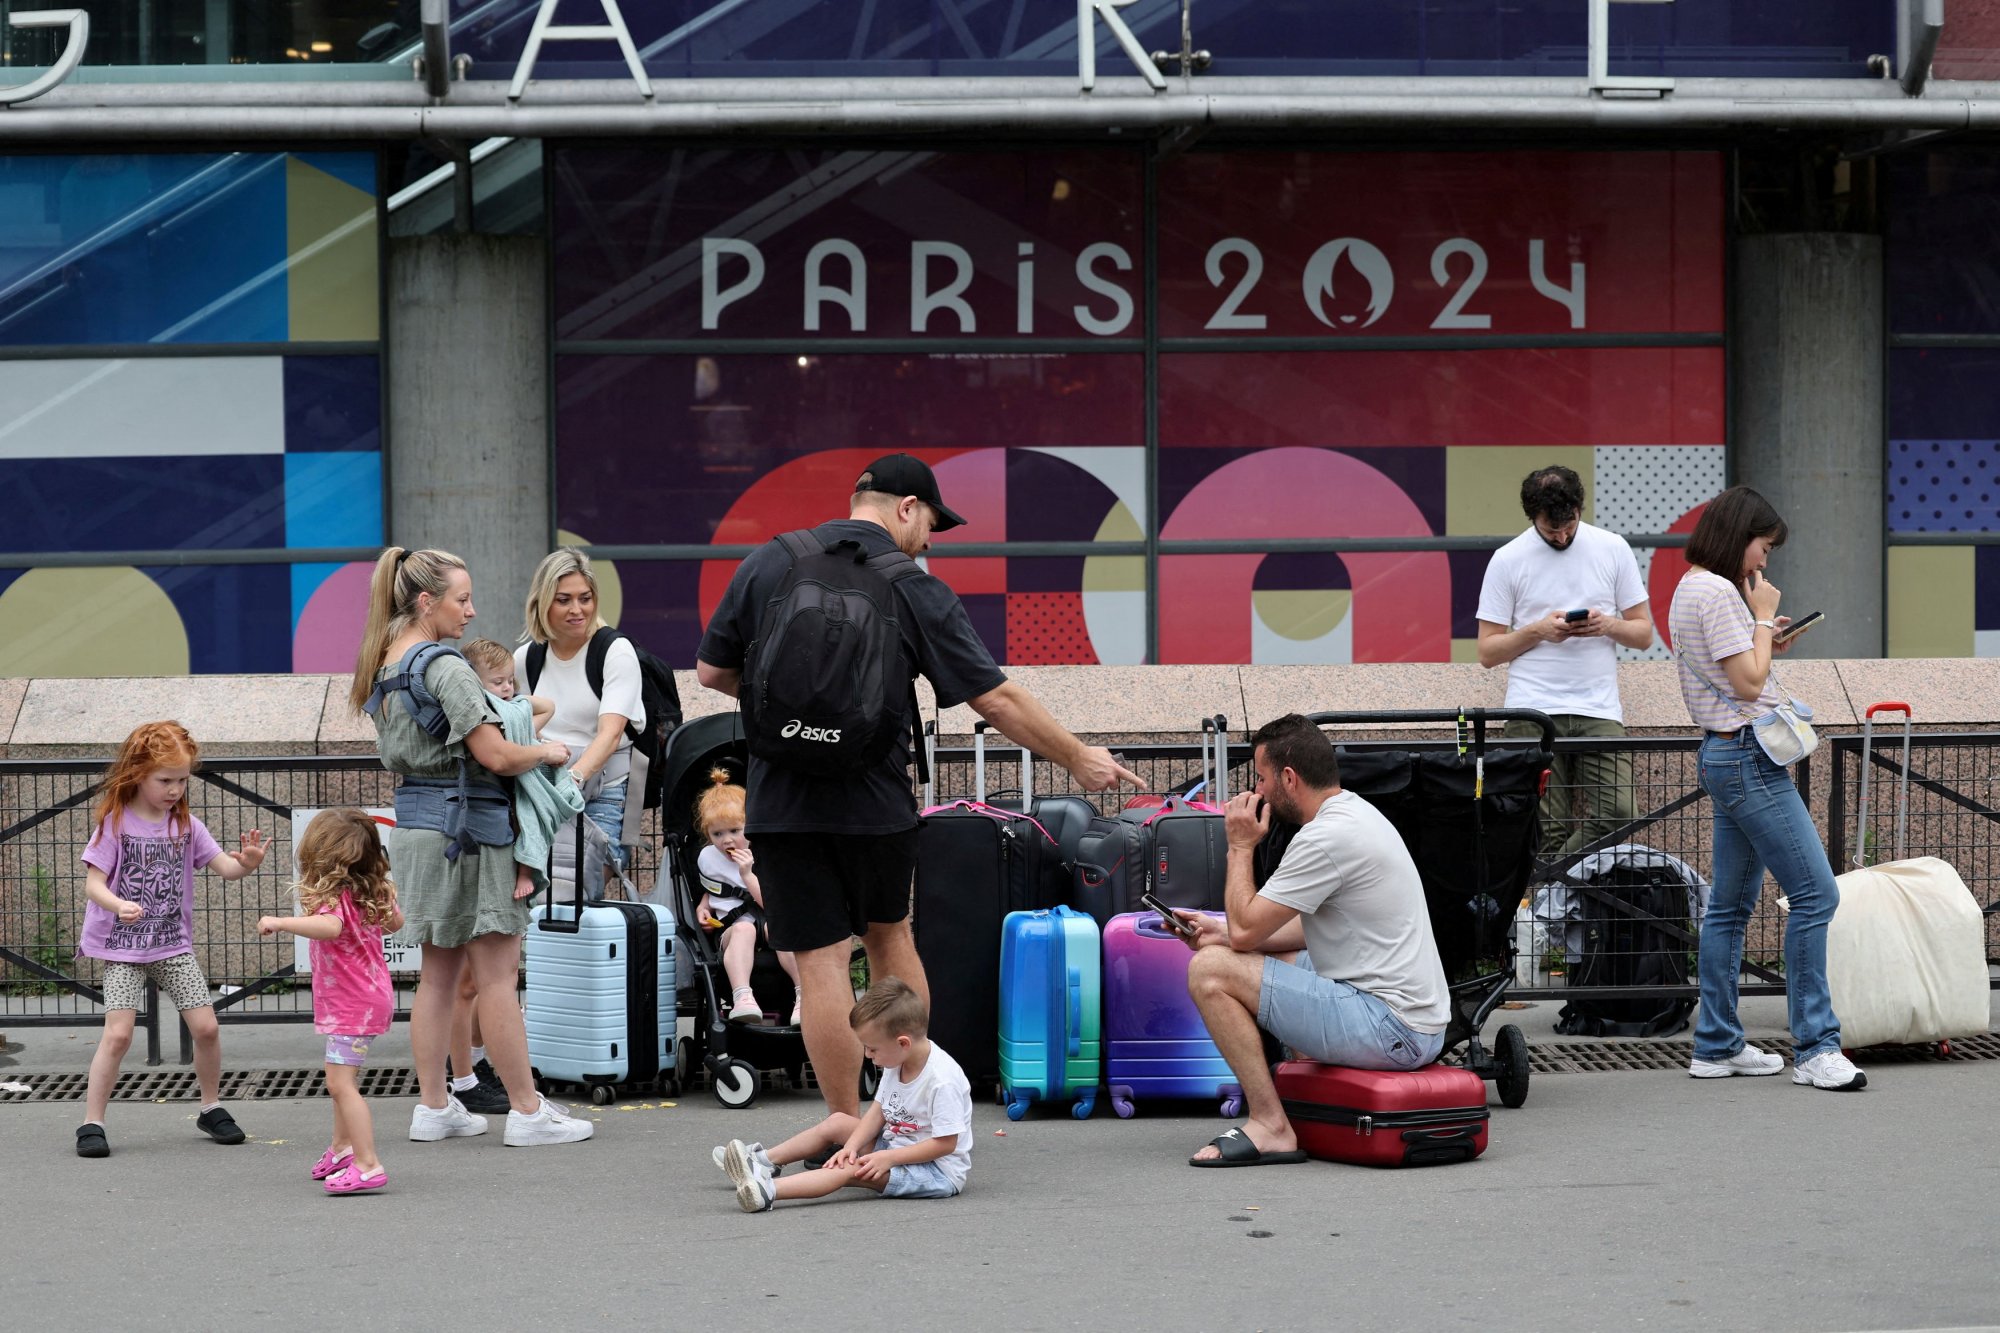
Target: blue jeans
point(1760, 821)
point(1335, 1023)
point(606, 809)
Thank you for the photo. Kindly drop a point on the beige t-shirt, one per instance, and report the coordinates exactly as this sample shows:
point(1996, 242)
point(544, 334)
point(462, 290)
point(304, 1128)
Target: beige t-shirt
point(1351, 879)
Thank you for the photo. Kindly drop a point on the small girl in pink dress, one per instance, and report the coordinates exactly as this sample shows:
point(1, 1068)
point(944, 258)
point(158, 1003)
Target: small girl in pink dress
point(349, 903)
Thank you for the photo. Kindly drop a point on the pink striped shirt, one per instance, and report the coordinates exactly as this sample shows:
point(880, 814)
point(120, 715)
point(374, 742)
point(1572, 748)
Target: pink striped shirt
point(1710, 622)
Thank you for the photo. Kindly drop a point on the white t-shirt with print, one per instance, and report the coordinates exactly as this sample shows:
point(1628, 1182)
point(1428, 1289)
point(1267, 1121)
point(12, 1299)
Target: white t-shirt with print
point(938, 1103)
point(565, 685)
point(721, 880)
point(1526, 580)
point(1350, 878)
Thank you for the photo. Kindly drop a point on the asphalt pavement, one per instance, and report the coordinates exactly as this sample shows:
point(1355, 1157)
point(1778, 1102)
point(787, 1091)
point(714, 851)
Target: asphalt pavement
point(1610, 1200)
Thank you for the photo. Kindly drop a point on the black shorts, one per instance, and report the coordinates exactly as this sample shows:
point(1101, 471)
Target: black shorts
point(822, 888)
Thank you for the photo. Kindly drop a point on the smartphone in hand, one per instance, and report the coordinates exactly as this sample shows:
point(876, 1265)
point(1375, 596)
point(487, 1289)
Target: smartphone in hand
point(1574, 616)
point(1167, 917)
point(1798, 627)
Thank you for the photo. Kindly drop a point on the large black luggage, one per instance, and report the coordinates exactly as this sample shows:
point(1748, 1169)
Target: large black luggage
point(1635, 934)
point(1177, 848)
point(976, 863)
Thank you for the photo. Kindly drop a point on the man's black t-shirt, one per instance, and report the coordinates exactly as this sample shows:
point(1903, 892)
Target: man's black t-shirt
point(944, 647)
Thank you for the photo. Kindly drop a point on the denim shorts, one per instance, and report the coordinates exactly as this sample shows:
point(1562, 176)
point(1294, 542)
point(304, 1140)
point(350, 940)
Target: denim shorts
point(345, 1049)
point(1335, 1023)
point(920, 1180)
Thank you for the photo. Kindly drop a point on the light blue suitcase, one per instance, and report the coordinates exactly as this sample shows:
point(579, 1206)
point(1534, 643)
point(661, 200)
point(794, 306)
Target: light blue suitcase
point(1050, 1049)
point(601, 998)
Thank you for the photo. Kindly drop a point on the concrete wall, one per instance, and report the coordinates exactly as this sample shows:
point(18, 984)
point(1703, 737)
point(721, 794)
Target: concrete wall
point(1806, 402)
point(469, 410)
point(291, 715)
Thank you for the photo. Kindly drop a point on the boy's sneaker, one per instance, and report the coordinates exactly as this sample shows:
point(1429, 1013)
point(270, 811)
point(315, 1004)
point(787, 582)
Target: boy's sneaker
point(755, 1193)
point(550, 1123)
point(1749, 1060)
point(741, 1160)
point(451, 1121)
point(485, 1098)
point(219, 1125)
point(90, 1141)
point(1830, 1070)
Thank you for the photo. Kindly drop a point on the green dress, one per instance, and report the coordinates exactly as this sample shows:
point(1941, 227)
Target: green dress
point(446, 903)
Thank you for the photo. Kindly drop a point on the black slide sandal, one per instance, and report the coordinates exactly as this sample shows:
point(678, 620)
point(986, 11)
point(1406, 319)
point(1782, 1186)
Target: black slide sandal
point(1237, 1150)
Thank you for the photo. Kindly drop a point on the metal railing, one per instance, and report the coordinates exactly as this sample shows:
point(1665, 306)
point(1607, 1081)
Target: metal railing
point(45, 821)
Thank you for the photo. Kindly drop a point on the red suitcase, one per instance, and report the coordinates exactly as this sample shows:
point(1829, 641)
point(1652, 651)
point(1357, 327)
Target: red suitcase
point(1376, 1118)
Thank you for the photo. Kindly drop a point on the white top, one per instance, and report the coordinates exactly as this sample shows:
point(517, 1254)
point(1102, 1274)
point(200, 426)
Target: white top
point(1352, 881)
point(721, 880)
point(1526, 579)
point(1710, 621)
point(577, 709)
point(938, 1103)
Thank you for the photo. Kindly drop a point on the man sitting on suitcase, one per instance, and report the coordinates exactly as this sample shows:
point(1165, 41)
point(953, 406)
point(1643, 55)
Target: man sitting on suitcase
point(1333, 956)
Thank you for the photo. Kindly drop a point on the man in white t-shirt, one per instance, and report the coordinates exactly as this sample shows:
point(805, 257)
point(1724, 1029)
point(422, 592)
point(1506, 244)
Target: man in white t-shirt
point(1368, 991)
point(1561, 662)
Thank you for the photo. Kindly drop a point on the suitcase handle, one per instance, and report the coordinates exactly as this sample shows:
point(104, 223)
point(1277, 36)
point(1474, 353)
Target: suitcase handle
point(1867, 770)
point(1075, 1011)
point(550, 921)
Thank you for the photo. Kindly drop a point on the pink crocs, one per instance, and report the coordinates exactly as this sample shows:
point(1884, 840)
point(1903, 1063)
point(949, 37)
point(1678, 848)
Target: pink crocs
point(349, 1180)
point(330, 1162)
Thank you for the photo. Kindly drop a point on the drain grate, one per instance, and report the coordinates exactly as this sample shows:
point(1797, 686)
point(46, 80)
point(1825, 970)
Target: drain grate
point(1609, 1056)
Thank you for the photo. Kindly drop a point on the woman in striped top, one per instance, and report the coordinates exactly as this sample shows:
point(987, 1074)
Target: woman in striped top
point(1724, 623)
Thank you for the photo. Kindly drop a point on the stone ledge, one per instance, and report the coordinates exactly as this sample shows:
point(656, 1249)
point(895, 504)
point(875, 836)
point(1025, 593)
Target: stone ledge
point(286, 715)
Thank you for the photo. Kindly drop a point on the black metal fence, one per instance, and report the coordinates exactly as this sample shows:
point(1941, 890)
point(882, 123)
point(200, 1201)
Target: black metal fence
point(45, 809)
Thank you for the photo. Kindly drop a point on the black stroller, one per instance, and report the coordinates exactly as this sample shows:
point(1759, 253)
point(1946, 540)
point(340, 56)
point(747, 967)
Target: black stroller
point(1470, 814)
point(733, 1053)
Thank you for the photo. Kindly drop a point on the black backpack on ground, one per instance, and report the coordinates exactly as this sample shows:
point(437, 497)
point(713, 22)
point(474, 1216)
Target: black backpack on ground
point(1635, 933)
point(658, 692)
point(828, 677)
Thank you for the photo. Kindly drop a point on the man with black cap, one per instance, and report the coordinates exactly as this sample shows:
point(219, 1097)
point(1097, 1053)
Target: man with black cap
point(836, 853)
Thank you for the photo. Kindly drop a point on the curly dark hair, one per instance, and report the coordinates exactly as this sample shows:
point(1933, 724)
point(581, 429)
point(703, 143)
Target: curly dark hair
point(1555, 493)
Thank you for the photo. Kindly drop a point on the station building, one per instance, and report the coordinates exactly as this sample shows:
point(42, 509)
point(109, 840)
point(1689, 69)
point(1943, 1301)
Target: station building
point(1232, 328)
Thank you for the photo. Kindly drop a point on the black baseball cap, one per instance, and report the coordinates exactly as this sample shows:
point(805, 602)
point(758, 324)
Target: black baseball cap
point(900, 475)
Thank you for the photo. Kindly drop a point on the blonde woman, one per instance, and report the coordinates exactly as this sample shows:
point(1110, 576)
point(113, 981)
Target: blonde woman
point(456, 881)
point(594, 708)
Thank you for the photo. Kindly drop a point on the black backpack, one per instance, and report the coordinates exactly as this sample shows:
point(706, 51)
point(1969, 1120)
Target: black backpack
point(658, 692)
point(827, 678)
point(1635, 933)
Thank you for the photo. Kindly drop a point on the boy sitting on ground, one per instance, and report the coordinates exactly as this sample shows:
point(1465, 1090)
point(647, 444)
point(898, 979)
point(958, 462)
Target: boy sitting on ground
point(913, 1142)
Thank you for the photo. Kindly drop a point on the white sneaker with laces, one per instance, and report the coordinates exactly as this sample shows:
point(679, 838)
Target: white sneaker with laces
point(1830, 1070)
point(756, 1193)
point(743, 1160)
point(1749, 1061)
point(549, 1123)
point(451, 1121)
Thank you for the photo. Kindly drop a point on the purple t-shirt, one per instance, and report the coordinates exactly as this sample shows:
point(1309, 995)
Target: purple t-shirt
point(153, 865)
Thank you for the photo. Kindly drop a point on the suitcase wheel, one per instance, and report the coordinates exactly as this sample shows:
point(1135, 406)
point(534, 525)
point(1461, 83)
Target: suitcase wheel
point(1086, 1102)
point(602, 1094)
point(1017, 1105)
point(1121, 1102)
point(1232, 1107)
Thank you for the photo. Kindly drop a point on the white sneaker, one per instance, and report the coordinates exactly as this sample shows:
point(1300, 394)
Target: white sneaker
point(793, 1021)
point(1830, 1070)
point(549, 1123)
point(743, 1007)
point(755, 1193)
point(452, 1121)
point(742, 1160)
point(1749, 1060)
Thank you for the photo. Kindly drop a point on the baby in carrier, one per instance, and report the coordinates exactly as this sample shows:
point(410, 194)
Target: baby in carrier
point(732, 902)
point(495, 667)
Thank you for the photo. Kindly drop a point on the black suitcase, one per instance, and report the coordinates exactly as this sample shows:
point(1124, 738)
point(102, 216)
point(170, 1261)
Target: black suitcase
point(1176, 849)
point(975, 863)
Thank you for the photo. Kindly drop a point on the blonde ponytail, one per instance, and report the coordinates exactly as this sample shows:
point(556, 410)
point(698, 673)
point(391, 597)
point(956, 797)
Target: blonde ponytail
point(400, 577)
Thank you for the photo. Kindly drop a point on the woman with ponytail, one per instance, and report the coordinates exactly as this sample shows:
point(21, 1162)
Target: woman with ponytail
point(455, 882)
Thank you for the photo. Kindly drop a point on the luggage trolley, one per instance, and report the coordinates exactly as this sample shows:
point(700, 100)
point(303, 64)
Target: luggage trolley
point(1469, 810)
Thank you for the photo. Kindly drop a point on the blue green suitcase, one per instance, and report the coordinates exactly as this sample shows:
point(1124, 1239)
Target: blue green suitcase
point(1051, 1046)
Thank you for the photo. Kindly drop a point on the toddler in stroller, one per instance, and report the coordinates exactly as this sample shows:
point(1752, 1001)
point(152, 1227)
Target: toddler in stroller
point(732, 902)
point(696, 802)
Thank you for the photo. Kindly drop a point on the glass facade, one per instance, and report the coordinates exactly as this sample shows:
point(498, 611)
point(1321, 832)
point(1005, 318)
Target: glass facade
point(190, 363)
point(1229, 408)
point(975, 38)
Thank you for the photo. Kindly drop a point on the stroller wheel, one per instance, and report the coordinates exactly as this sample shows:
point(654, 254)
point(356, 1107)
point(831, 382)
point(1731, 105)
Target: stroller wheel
point(736, 1084)
point(1510, 1056)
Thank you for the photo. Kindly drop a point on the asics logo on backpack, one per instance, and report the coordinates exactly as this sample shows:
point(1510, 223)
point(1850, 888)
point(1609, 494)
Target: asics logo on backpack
point(825, 735)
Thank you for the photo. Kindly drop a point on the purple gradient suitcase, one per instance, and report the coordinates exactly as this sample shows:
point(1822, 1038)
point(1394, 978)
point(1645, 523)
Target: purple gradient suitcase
point(1155, 1043)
